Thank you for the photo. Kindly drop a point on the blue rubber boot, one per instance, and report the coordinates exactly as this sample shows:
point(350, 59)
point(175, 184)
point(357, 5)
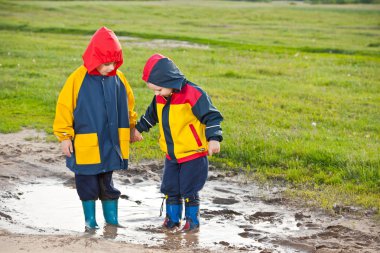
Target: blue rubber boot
point(192, 218)
point(89, 214)
point(173, 216)
point(173, 212)
point(110, 211)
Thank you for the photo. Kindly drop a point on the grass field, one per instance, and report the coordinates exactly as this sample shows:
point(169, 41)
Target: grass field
point(298, 84)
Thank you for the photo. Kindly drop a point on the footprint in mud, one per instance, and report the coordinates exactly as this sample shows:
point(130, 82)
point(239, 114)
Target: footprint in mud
point(226, 213)
point(271, 217)
point(225, 201)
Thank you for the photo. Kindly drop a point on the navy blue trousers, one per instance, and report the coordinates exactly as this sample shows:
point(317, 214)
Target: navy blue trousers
point(184, 179)
point(93, 187)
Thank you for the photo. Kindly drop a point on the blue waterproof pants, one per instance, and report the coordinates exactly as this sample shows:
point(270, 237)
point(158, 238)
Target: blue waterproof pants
point(184, 179)
point(93, 187)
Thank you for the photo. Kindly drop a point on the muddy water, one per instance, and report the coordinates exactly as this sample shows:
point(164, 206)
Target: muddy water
point(52, 206)
point(233, 215)
point(37, 196)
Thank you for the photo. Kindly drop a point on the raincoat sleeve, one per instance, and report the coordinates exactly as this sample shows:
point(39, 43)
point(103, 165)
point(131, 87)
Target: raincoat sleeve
point(131, 101)
point(206, 113)
point(63, 123)
point(149, 119)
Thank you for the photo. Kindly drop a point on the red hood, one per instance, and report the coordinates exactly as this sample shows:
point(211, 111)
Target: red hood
point(161, 71)
point(104, 47)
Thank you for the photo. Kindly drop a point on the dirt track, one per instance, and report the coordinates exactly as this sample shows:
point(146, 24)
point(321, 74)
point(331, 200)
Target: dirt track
point(40, 212)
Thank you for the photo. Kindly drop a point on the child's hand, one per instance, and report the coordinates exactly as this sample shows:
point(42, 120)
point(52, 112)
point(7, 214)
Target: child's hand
point(213, 147)
point(135, 135)
point(67, 147)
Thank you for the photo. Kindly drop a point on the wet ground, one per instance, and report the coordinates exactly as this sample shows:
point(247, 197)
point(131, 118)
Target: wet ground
point(38, 196)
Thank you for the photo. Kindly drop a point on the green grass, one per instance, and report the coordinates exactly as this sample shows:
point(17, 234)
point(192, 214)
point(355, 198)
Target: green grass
point(300, 96)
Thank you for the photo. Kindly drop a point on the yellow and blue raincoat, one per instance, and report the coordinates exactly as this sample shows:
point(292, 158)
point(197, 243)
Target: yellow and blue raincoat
point(187, 119)
point(97, 112)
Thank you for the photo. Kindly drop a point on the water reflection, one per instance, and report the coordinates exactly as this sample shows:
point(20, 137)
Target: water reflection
point(179, 239)
point(110, 231)
point(241, 223)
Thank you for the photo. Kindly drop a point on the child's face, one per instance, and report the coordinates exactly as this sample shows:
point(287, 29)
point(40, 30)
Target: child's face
point(165, 92)
point(106, 68)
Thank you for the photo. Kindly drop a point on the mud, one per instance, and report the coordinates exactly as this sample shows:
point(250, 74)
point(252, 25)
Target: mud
point(39, 204)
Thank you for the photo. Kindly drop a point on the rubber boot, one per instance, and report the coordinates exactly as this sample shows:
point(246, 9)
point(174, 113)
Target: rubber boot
point(89, 214)
point(173, 216)
point(192, 219)
point(173, 212)
point(110, 211)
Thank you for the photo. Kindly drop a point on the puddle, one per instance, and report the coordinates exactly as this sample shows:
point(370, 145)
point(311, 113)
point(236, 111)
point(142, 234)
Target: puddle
point(37, 197)
point(229, 218)
point(234, 216)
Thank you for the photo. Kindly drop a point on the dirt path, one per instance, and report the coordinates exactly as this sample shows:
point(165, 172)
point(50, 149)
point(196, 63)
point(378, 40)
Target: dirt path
point(40, 212)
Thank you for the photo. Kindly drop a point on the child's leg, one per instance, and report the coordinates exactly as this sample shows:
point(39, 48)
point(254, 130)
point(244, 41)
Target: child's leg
point(193, 177)
point(88, 190)
point(107, 189)
point(170, 187)
point(87, 187)
point(109, 196)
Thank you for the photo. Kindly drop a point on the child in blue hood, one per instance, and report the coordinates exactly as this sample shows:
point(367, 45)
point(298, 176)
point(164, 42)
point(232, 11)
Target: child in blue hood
point(95, 122)
point(189, 127)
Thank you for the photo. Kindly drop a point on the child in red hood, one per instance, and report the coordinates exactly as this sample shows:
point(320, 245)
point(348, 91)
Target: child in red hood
point(95, 122)
point(189, 131)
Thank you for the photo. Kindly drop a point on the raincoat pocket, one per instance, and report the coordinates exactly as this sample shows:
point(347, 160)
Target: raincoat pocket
point(195, 134)
point(87, 148)
point(124, 137)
